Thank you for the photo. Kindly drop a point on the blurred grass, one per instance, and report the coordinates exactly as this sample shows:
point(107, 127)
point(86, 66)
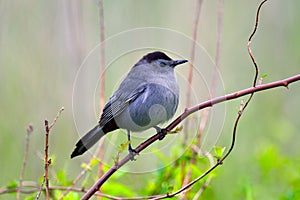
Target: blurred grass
point(42, 44)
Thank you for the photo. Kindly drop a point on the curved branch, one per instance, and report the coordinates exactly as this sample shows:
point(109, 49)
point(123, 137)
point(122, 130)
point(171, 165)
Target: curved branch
point(249, 41)
point(186, 113)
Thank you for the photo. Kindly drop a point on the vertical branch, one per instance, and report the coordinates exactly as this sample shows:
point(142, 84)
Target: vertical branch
point(215, 73)
point(47, 161)
point(244, 106)
point(205, 113)
point(191, 61)
point(249, 42)
point(102, 54)
point(218, 48)
point(102, 80)
point(190, 79)
point(29, 131)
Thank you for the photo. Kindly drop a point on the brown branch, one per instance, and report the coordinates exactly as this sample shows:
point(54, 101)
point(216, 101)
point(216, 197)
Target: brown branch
point(102, 54)
point(47, 161)
point(249, 41)
point(51, 188)
point(29, 131)
point(185, 114)
point(185, 179)
point(100, 148)
point(206, 112)
point(56, 118)
point(191, 60)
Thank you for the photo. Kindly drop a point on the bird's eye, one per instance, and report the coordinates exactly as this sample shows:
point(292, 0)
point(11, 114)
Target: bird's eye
point(162, 64)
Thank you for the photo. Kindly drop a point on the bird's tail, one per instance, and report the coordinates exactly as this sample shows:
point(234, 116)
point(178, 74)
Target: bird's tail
point(87, 141)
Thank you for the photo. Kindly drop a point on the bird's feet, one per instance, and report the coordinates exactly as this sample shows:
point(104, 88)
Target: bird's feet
point(132, 152)
point(161, 131)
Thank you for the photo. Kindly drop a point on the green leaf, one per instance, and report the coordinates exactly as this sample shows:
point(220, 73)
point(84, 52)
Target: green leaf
point(219, 151)
point(12, 185)
point(124, 146)
point(61, 177)
point(196, 170)
point(53, 159)
point(117, 189)
point(264, 76)
point(32, 197)
point(84, 183)
point(86, 166)
point(94, 162)
point(72, 196)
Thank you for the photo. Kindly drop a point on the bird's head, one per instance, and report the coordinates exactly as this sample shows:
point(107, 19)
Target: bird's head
point(159, 59)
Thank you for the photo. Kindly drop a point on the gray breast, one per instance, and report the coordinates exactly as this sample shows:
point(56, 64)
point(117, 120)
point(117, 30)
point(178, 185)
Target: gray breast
point(156, 105)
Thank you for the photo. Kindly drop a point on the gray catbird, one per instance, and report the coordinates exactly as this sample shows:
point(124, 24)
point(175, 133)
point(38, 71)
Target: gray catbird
point(146, 97)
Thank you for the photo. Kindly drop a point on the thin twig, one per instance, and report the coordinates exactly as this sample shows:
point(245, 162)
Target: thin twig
point(218, 47)
point(208, 180)
point(100, 149)
point(184, 178)
point(47, 161)
point(191, 61)
point(29, 131)
point(52, 188)
point(56, 118)
point(249, 41)
point(206, 112)
point(102, 53)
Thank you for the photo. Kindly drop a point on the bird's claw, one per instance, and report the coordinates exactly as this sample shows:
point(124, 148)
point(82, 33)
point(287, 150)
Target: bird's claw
point(132, 153)
point(162, 133)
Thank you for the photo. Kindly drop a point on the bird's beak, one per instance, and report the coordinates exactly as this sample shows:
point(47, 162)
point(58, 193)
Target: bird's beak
point(178, 62)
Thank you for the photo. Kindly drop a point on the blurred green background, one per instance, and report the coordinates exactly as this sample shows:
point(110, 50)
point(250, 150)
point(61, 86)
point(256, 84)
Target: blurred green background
point(43, 43)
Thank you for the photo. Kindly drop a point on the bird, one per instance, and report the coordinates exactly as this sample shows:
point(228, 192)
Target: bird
point(147, 97)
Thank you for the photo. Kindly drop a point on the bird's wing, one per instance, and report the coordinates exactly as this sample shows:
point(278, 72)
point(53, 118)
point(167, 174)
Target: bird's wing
point(117, 103)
